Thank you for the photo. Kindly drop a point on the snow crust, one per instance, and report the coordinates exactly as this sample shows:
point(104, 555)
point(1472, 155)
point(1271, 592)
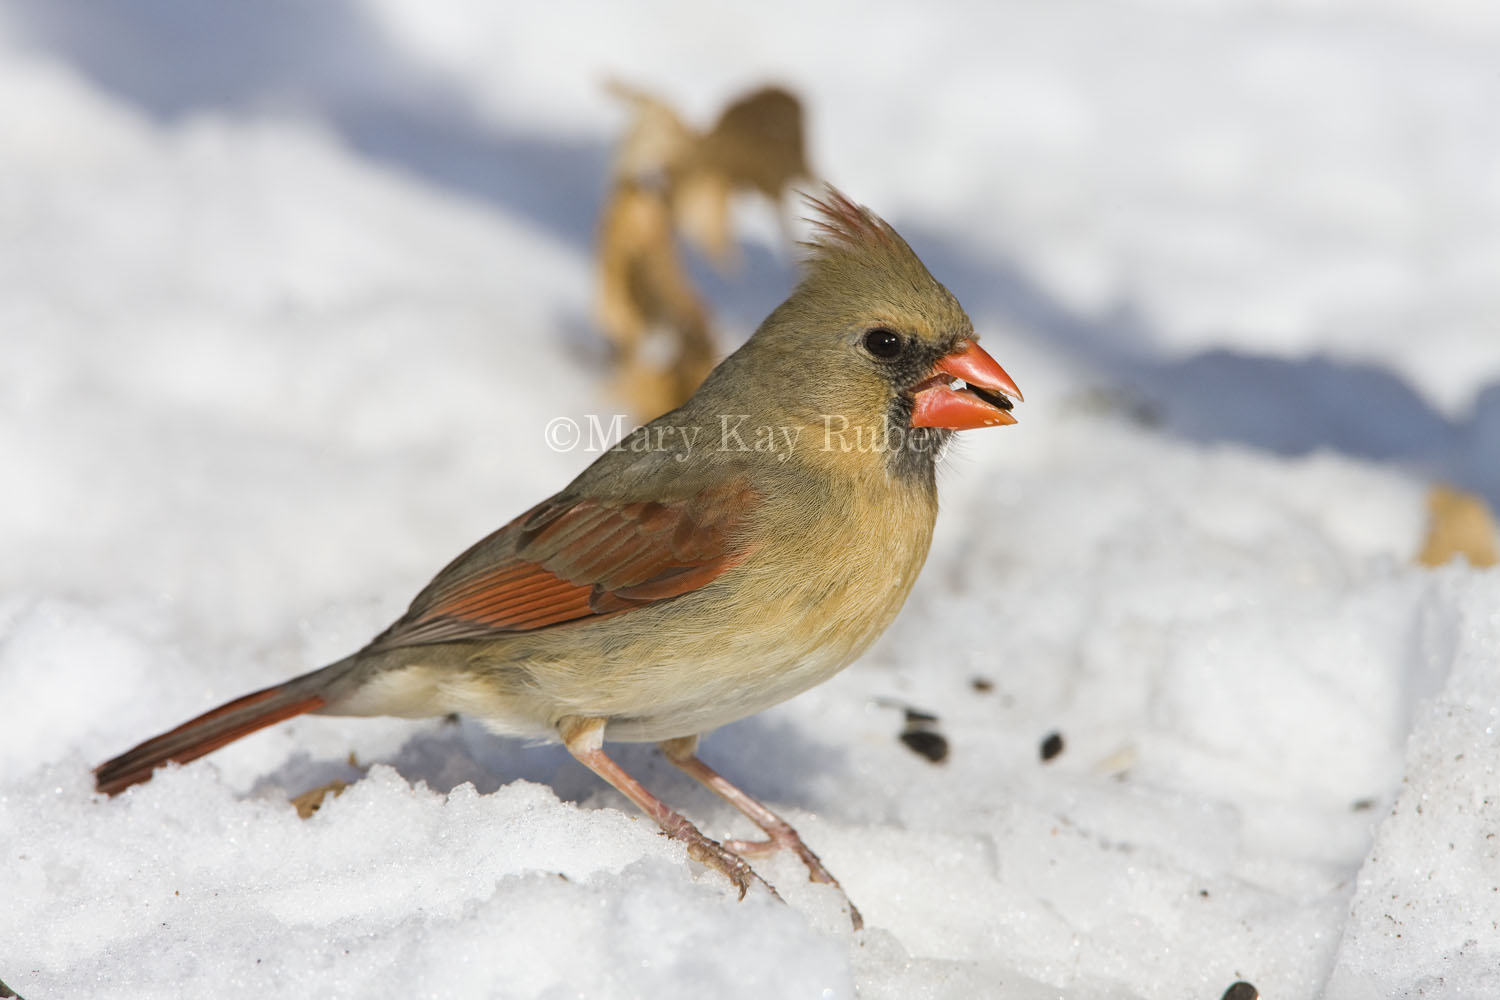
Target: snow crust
point(286, 301)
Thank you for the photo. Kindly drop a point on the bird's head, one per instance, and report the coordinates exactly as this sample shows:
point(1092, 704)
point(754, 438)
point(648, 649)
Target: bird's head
point(870, 342)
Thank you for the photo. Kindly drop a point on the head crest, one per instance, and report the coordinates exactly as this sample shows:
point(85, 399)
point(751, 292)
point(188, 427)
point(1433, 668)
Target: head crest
point(859, 275)
point(851, 247)
point(841, 225)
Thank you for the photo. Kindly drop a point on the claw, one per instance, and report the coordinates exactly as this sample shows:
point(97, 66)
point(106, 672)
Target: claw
point(727, 861)
point(780, 835)
point(584, 739)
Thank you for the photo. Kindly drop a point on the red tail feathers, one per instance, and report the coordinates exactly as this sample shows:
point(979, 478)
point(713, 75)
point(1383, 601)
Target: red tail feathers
point(206, 733)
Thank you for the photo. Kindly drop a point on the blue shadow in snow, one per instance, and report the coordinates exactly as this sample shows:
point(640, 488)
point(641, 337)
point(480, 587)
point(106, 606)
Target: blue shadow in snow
point(324, 60)
point(1286, 406)
point(173, 58)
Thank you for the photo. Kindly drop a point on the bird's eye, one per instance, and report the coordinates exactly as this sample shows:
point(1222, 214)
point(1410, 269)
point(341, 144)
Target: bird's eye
point(883, 343)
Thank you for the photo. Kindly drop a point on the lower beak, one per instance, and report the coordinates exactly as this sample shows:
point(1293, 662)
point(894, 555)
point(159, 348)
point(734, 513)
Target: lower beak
point(982, 400)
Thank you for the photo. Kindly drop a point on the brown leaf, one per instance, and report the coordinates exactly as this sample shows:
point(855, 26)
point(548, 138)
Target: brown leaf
point(311, 801)
point(647, 306)
point(657, 140)
point(1459, 524)
point(756, 145)
point(671, 179)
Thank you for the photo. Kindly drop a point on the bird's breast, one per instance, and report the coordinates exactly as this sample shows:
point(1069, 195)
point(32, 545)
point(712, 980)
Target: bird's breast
point(809, 599)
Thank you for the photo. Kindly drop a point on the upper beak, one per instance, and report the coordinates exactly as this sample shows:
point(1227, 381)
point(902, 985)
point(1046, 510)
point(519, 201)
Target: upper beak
point(981, 402)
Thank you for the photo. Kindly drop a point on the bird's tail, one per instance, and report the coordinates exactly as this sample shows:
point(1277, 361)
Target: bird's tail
point(218, 727)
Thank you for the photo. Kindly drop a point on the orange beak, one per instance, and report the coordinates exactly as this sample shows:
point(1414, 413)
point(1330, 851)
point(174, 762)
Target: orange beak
point(983, 401)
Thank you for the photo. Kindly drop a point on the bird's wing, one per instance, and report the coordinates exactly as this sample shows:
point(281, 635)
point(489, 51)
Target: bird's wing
point(574, 558)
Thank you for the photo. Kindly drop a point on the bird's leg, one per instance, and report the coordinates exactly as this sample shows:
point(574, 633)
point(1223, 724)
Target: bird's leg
point(684, 753)
point(584, 739)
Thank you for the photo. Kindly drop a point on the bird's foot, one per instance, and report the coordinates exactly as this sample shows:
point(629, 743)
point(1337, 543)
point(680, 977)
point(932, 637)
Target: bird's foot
point(761, 848)
point(584, 739)
point(779, 833)
point(783, 837)
point(724, 860)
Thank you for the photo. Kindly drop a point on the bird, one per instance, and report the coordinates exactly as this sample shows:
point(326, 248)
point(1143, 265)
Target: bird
point(728, 555)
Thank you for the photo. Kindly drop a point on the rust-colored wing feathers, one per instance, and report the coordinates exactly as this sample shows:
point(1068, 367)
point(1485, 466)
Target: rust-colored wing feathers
point(579, 558)
point(514, 598)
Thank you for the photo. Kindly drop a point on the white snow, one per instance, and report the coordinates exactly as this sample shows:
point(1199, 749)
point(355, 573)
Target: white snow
point(289, 294)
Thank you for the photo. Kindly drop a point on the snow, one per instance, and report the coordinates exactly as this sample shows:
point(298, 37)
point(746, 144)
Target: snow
point(288, 298)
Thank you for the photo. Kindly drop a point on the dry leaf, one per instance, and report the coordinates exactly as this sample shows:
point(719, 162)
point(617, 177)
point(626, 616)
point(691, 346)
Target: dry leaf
point(656, 141)
point(668, 178)
point(311, 801)
point(756, 145)
point(1459, 524)
point(700, 207)
point(647, 306)
point(757, 142)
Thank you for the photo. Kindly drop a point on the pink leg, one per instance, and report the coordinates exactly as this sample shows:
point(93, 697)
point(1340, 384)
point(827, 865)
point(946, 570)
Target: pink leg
point(584, 739)
point(684, 753)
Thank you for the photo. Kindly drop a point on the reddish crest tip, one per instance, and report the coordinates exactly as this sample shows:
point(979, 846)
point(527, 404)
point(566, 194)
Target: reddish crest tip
point(844, 224)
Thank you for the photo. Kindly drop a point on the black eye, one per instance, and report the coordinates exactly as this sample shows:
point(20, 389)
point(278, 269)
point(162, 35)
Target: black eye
point(883, 343)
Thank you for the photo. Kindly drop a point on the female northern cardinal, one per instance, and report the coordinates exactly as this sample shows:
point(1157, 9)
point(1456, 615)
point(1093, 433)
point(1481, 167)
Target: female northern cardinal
point(720, 559)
